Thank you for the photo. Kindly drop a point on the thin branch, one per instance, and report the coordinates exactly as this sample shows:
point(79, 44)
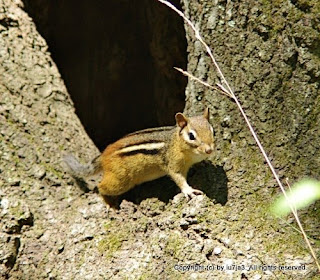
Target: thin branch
point(224, 89)
point(255, 136)
point(290, 189)
point(220, 89)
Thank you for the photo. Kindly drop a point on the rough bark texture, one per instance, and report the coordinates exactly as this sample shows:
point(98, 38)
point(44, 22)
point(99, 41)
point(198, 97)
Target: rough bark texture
point(269, 52)
point(37, 124)
point(52, 230)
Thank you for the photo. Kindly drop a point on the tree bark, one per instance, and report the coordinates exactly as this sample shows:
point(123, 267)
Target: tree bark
point(269, 52)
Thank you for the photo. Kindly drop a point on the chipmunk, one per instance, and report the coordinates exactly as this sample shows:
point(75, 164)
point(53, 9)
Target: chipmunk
point(149, 154)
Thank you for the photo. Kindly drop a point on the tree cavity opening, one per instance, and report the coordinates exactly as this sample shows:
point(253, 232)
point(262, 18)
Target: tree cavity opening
point(116, 58)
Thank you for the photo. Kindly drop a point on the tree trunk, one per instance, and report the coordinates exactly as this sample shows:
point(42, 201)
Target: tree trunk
point(52, 229)
point(270, 53)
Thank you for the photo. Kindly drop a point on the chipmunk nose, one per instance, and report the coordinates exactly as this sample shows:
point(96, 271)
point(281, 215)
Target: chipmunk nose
point(209, 150)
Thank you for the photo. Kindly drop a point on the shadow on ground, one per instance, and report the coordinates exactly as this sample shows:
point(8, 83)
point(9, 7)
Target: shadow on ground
point(210, 179)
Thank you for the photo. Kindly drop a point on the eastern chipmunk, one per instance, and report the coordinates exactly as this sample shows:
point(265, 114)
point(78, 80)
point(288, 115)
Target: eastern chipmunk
point(149, 154)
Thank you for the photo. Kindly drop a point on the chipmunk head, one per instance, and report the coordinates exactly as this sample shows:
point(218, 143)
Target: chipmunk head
point(196, 132)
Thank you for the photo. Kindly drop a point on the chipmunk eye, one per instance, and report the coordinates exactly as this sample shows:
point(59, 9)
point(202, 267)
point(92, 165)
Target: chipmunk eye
point(191, 136)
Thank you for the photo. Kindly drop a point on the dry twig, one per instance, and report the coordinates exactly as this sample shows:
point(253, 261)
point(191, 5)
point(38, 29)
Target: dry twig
point(219, 88)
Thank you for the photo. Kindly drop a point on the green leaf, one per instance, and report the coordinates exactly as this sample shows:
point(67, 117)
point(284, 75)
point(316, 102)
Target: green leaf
point(302, 194)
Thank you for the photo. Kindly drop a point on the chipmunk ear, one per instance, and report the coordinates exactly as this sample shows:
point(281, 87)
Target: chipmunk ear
point(206, 113)
point(181, 120)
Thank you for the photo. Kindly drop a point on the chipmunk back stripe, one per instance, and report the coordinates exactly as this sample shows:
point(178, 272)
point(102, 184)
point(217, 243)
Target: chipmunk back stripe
point(150, 141)
point(142, 151)
point(152, 130)
point(146, 148)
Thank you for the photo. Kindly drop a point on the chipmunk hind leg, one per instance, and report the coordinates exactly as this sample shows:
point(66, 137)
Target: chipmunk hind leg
point(110, 188)
point(111, 201)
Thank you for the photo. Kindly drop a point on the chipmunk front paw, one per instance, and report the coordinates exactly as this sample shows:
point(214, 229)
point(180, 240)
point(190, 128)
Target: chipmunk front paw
point(191, 192)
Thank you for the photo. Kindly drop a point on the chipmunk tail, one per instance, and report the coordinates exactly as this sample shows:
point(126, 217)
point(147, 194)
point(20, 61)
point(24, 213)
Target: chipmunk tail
point(78, 170)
